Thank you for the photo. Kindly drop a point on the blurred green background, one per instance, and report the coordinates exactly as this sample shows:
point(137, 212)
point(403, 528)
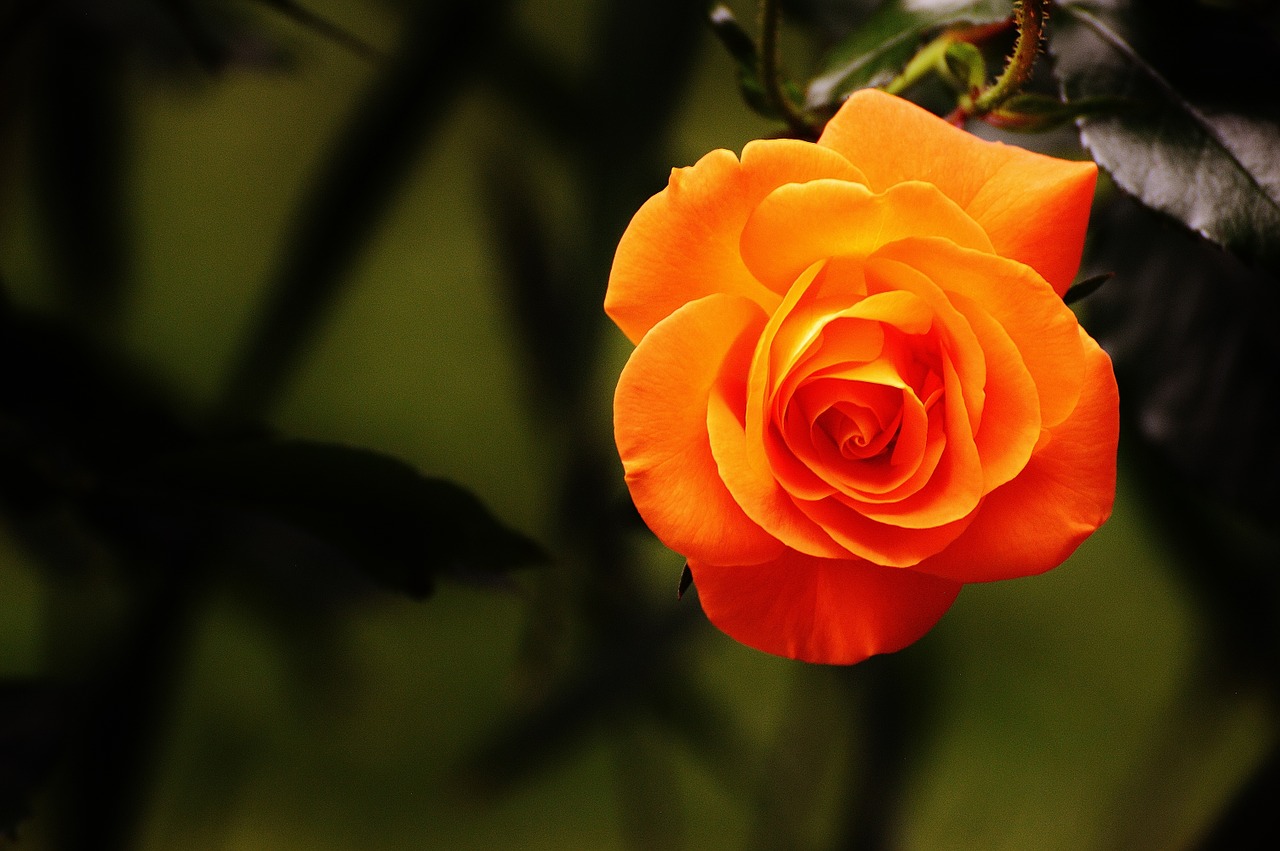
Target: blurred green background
point(1066, 711)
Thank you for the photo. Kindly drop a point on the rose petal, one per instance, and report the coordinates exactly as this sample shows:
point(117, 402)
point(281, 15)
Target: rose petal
point(748, 477)
point(903, 296)
point(807, 458)
point(683, 242)
point(800, 224)
point(822, 610)
point(1011, 420)
point(660, 424)
point(850, 339)
point(881, 542)
point(951, 491)
point(1034, 522)
point(1033, 207)
point(1043, 329)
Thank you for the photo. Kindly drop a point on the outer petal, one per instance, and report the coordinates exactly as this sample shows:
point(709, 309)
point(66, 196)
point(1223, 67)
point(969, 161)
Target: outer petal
point(660, 424)
point(822, 610)
point(1034, 208)
point(800, 224)
point(683, 242)
point(1034, 522)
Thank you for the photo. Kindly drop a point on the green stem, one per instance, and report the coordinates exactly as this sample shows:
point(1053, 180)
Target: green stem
point(1029, 17)
point(924, 63)
point(771, 75)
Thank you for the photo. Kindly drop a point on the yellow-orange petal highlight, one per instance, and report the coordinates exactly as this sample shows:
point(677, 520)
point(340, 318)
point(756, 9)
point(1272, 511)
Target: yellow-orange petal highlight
point(798, 225)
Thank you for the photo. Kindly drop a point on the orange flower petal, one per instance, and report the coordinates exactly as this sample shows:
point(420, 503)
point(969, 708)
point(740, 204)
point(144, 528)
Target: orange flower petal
point(660, 424)
point(748, 477)
point(683, 242)
point(953, 488)
point(1043, 329)
point(963, 348)
point(1011, 421)
point(1034, 522)
point(1034, 208)
point(849, 340)
point(797, 225)
point(878, 542)
point(822, 610)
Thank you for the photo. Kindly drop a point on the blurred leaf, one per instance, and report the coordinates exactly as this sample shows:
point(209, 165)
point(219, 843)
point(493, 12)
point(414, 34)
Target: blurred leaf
point(324, 27)
point(1191, 331)
point(553, 322)
point(74, 416)
point(78, 125)
point(357, 185)
point(643, 56)
point(191, 35)
point(31, 736)
point(1217, 173)
point(535, 82)
point(371, 511)
point(875, 52)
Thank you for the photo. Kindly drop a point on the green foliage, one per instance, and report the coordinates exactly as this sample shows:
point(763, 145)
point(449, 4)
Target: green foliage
point(742, 48)
point(302, 501)
point(1189, 139)
point(1215, 171)
point(877, 50)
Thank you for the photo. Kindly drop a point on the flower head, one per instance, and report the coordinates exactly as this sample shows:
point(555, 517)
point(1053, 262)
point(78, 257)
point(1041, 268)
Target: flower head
point(856, 385)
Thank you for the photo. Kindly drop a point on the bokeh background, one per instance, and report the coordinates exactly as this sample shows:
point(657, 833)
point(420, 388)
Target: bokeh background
point(167, 169)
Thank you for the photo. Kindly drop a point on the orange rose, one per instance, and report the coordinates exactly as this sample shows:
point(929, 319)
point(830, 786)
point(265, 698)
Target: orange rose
point(856, 385)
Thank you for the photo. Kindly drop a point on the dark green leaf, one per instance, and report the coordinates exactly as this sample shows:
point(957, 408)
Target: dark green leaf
point(686, 579)
point(1216, 172)
point(1191, 330)
point(733, 36)
point(1087, 287)
point(369, 510)
point(742, 48)
point(875, 52)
